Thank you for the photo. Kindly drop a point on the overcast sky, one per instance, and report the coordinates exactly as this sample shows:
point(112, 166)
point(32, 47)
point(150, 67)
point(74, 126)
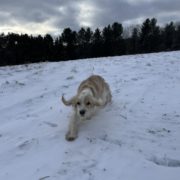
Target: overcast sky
point(52, 16)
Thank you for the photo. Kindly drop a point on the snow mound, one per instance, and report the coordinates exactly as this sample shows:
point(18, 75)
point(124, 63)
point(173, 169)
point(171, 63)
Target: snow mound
point(124, 141)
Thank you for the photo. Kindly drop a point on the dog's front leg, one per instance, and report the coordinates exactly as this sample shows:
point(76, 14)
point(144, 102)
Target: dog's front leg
point(72, 132)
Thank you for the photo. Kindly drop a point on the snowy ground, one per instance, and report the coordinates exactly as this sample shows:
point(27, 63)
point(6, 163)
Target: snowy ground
point(135, 137)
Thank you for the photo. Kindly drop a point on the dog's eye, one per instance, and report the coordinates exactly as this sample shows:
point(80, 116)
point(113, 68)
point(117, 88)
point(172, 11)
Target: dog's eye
point(88, 103)
point(78, 103)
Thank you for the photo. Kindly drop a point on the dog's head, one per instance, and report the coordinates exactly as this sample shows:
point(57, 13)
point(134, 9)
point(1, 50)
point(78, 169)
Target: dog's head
point(83, 104)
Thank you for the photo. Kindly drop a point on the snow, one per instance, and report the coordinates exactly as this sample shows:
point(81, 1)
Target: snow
point(137, 136)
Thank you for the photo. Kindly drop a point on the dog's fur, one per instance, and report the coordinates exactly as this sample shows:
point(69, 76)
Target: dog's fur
point(92, 94)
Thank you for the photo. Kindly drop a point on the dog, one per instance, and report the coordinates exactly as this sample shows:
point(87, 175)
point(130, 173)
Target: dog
point(92, 94)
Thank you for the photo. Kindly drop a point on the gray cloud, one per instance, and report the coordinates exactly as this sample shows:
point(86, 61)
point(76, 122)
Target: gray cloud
point(44, 16)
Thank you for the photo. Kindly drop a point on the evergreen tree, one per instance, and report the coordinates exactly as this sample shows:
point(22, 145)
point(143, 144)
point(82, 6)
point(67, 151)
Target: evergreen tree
point(154, 36)
point(3, 51)
point(149, 36)
point(88, 35)
point(88, 39)
point(59, 50)
point(108, 41)
point(144, 36)
point(81, 36)
point(69, 40)
point(117, 42)
point(169, 32)
point(177, 38)
point(48, 48)
point(97, 44)
point(13, 48)
point(83, 48)
point(135, 41)
point(38, 49)
point(81, 43)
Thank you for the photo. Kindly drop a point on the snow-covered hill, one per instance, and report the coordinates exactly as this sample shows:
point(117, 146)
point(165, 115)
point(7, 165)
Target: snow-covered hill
point(137, 136)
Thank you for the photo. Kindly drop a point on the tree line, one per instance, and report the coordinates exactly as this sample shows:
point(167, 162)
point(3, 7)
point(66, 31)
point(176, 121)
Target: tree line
point(70, 45)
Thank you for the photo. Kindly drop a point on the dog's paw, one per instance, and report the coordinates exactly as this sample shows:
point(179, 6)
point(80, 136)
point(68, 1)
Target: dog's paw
point(70, 137)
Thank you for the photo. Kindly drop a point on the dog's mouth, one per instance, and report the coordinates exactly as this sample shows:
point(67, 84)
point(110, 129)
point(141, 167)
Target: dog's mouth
point(82, 115)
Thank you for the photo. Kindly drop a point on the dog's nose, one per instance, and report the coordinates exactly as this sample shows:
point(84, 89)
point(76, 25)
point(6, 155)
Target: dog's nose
point(82, 112)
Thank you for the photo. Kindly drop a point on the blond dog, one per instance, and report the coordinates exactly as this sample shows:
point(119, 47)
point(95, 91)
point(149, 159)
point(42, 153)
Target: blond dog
point(92, 94)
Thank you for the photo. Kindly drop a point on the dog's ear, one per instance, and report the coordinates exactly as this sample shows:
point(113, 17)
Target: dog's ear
point(70, 102)
point(98, 103)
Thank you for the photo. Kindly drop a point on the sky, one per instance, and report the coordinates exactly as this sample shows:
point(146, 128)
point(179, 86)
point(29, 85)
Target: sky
point(53, 16)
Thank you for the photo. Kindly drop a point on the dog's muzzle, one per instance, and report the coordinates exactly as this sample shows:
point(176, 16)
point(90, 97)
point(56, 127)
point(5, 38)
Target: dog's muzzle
point(82, 112)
